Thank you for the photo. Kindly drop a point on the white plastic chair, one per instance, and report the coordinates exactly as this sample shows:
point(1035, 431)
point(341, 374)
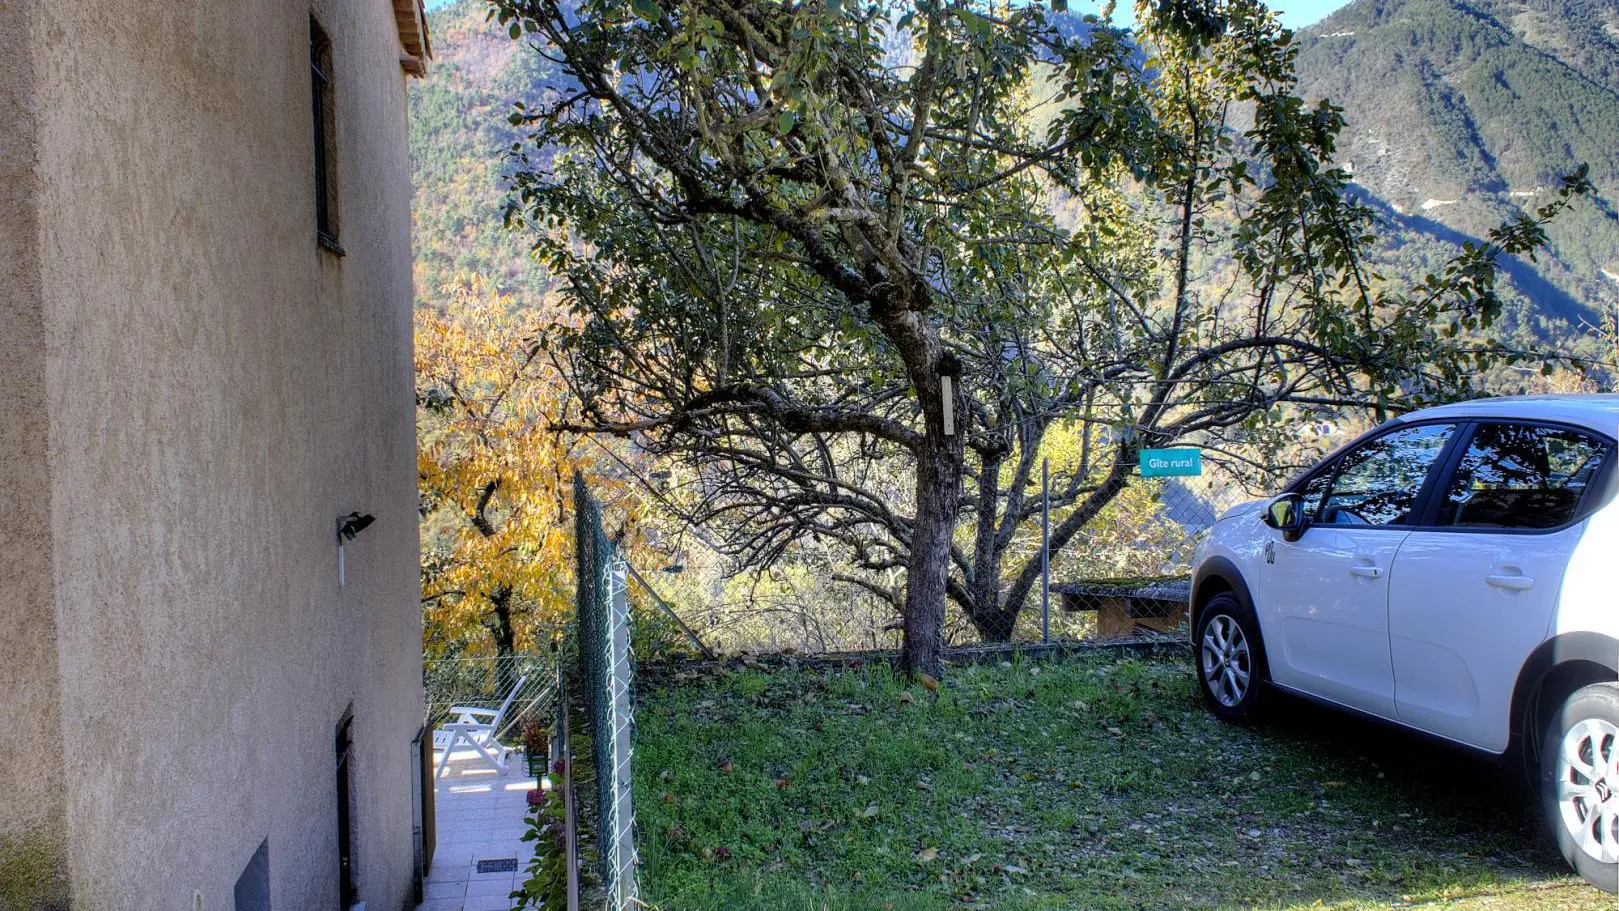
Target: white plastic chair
point(476, 728)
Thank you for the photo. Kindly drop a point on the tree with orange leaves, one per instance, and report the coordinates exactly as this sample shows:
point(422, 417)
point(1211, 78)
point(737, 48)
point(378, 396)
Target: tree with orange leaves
point(495, 480)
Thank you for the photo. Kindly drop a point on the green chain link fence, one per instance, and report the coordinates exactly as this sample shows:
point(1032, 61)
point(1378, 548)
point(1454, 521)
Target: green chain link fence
point(605, 677)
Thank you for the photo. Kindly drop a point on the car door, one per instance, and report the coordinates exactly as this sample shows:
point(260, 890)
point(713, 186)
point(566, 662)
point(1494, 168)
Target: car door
point(1474, 592)
point(1325, 596)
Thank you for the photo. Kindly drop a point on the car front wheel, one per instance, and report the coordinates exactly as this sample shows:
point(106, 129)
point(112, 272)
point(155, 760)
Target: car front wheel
point(1230, 658)
point(1579, 765)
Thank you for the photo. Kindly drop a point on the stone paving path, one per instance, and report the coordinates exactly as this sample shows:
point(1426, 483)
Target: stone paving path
point(481, 816)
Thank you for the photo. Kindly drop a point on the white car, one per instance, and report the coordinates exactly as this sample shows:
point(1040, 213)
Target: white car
point(1454, 571)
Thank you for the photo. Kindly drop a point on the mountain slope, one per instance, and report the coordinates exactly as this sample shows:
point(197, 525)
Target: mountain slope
point(459, 137)
point(1462, 113)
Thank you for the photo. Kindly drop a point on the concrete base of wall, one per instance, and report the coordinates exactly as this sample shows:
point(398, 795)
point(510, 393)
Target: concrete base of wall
point(33, 873)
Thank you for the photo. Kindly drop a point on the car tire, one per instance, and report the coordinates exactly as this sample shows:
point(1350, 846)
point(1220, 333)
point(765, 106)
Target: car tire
point(1579, 775)
point(1230, 659)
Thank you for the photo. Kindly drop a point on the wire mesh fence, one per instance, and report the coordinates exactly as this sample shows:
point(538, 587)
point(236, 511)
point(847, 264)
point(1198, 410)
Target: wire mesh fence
point(1132, 565)
point(605, 677)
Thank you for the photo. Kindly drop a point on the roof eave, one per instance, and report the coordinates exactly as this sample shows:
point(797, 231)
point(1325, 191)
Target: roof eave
point(411, 18)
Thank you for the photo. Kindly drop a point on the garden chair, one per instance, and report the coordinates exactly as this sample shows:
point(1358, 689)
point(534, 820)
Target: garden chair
point(477, 728)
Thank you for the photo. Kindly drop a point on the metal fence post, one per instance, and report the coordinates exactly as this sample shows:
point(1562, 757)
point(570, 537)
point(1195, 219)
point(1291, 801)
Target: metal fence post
point(1045, 550)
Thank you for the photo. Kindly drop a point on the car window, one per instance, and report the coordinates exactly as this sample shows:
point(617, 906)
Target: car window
point(1314, 490)
point(1518, 476)
point(1378, 482)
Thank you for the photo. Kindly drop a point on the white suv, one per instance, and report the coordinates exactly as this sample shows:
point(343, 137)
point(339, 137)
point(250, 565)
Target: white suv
point(1455, 571)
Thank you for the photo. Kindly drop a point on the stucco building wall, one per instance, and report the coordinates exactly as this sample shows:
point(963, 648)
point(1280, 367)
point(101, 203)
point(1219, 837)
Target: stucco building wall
point(204, 391)
point(33, 871)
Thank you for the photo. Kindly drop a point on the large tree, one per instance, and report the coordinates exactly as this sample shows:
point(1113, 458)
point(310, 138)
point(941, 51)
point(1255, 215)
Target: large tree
point(814, 249)
point(495, 483)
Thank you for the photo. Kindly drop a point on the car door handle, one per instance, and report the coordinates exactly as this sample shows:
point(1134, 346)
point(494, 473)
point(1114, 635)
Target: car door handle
point(1367, 572)
point(1511, 583)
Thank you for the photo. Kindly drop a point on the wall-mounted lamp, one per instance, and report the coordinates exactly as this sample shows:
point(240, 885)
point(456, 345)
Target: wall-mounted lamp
point(352, 524)
point(347, 528)
point(949, 378)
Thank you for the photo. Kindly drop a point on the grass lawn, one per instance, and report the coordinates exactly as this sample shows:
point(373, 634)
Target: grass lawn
point(1071, 784)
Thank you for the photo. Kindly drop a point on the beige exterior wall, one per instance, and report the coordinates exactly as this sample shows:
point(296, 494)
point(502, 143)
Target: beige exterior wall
point(33, 872)
point(202, 392)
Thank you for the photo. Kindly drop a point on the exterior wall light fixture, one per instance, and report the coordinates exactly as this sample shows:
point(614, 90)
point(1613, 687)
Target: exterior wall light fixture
point(347, 528)
point(352, 524)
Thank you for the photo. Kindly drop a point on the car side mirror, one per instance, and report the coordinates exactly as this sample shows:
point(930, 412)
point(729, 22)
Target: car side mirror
point(1286, 515)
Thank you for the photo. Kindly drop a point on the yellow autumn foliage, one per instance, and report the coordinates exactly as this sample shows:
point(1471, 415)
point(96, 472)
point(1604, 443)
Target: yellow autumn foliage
point(495, 480)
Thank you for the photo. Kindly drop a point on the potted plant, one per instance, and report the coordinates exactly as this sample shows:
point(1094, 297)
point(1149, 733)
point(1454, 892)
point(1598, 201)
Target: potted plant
point(536, 744)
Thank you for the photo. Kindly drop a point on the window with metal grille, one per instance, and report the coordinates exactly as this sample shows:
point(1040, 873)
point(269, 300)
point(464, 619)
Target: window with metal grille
point(324, 116)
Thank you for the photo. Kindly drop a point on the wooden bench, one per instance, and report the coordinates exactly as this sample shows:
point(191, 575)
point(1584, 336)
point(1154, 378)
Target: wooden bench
point(1125, 607)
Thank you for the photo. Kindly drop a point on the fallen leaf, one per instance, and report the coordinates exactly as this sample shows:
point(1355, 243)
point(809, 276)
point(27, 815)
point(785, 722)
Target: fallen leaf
point(869, 812)
point(928, 683)
point(726, 767)
point(783, 783)
point(927, 855)
point(906, 698)
point(923, 786)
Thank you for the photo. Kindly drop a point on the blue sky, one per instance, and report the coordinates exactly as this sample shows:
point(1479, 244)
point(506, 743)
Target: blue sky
point(1295, 13)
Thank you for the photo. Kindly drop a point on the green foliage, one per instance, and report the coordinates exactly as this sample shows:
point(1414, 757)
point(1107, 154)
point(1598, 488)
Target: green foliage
point(1463, 114)
point(546, 884)
point(458, 134)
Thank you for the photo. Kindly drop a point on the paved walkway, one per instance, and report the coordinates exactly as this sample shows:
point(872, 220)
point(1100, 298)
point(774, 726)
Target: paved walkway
point(481, 817)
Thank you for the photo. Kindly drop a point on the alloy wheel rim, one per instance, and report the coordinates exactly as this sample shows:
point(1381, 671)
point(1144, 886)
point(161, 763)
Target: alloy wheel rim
point(1588, 787)
point(1227, 666)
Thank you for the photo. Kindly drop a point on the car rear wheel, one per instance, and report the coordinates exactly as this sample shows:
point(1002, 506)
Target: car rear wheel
point(1579, 763)
point(1230, 658)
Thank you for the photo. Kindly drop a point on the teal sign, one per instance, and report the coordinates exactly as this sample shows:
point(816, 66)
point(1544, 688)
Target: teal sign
point(1164, 463)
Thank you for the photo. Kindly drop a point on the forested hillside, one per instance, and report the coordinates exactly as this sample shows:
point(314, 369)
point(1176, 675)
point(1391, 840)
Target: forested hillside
point(458, 140)
point(1462, 113)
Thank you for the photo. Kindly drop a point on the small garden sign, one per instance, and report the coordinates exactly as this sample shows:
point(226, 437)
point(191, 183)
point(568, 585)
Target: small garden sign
point(1163, 463)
